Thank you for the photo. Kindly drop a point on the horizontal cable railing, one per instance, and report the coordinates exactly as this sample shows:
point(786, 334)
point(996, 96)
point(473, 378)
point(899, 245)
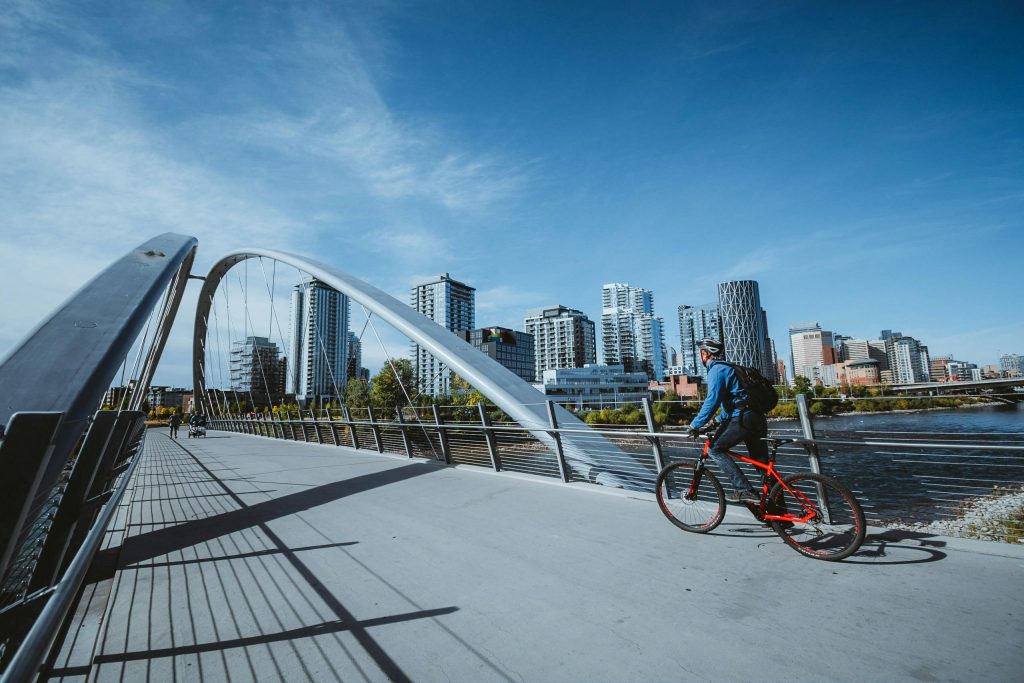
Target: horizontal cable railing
point(951, 483)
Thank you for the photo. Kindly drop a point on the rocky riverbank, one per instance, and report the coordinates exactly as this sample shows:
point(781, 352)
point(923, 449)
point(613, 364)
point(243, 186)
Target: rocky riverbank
point(996, 517)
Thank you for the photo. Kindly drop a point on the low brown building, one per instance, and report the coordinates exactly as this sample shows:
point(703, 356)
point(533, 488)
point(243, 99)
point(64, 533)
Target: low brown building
point(684, 386)
point(855, 372)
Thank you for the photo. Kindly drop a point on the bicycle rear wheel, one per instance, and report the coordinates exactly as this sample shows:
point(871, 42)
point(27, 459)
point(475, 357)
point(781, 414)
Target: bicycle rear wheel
point(694, 503)
point(831, 531)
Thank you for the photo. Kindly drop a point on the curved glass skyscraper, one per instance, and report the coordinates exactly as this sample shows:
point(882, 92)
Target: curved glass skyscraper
point(745, 326)
point(318, 346)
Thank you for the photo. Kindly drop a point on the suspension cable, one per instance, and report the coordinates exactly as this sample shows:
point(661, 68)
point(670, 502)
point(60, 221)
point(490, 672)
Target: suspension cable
point(398, 378)
point(259, 358)
point(246, 319)
point(274, 318)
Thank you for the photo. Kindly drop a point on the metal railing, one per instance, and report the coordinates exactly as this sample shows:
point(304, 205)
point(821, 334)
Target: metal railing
point(64, 465)
point(962, 487)
point(48, 573)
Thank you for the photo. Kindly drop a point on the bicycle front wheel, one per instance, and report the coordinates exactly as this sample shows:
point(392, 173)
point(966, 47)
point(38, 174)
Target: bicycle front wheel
point(690, 497)
point(825, 529)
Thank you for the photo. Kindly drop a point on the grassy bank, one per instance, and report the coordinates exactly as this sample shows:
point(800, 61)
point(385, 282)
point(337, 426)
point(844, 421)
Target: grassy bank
point(839, 406)
point(673, 411)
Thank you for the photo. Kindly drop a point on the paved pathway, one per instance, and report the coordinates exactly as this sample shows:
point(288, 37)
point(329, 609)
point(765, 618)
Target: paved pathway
point(251, 559)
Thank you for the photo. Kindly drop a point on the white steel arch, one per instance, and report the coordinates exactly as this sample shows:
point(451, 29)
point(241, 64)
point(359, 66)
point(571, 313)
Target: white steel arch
point(519, 400)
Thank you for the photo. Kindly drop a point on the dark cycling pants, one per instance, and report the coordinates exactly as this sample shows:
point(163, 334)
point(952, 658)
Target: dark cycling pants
point(749, 428)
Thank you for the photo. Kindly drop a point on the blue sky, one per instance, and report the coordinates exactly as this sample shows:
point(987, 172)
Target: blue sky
point(863, 161)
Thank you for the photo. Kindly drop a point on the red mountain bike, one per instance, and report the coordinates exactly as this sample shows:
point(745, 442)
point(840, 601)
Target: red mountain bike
point(814, 514)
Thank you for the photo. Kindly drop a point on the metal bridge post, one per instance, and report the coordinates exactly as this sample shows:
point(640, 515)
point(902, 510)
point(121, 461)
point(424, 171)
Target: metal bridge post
point(807, 426)
point(24, 455)
point(316, 426)
point(351, 428)
point(405, 431)
point(292, 429)
point(492, 442)
point(376, 430)
point(68, 516)
point(333, 427)
point(659, 456)
point(442, 436)
point(563, 469)
point(286, 426)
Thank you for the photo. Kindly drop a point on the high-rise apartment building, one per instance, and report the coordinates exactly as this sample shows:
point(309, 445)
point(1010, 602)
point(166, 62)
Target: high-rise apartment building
point(906, 361)
point(937, 371)
point(925, 362)
point(780, 370)
point(257, 369)
point(318, 343)
point(745, 326)
point(768, 362)
point(451, 304)
point(512, 349)
point(354, 366)
point(1011, 365)
point(631, 334)
point(810, 346)
point(848, 348)
point(562, 338)
point(776, 377)
point(962, 371)
point(696, 323)
point(877, 350)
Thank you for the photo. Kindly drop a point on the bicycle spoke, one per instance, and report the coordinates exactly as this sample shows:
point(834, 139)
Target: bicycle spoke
point(693, 503)
point(830, 533)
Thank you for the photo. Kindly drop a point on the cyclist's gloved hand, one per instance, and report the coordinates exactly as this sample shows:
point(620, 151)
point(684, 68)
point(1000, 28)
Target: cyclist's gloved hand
point(692, 431)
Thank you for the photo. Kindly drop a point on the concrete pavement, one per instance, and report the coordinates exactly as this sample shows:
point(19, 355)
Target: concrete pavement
point(246, 558)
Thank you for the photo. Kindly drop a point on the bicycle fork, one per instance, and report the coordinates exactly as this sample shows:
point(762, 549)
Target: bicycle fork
point(698, 474)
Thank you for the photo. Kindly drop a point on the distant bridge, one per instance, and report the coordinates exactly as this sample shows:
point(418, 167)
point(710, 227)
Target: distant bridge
point(1006, 389)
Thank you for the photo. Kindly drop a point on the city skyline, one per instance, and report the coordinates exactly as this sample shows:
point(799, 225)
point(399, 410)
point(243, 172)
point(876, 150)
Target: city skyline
point(863, 166)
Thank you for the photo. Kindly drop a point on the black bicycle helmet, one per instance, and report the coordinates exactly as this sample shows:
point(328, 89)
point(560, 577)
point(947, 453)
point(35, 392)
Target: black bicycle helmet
point(712, 346)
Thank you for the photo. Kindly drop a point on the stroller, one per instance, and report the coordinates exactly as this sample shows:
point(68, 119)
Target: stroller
point(197, 427)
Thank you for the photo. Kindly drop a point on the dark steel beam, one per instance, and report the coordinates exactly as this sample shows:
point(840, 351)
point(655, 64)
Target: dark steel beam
point(69, 361)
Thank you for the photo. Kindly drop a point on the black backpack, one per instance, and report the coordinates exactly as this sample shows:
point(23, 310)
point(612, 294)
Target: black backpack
point(761, 394)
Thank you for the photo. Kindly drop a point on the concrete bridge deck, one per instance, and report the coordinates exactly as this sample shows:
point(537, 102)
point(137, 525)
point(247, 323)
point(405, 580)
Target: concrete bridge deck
point(239, 558)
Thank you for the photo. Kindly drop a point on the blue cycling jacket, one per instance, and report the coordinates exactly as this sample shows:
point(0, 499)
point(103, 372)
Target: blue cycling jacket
point(724, 391)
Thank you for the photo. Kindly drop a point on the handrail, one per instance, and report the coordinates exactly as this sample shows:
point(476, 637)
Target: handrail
point(983, 502)
point(67, 363)
point(36, 646)
point(449, 426)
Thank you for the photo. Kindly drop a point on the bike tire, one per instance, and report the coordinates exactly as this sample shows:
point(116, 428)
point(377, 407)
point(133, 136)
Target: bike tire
point(699, 514)
point(839, 538)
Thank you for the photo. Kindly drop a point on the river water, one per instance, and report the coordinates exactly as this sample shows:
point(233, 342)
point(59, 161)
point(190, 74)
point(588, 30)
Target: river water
point(911, 482)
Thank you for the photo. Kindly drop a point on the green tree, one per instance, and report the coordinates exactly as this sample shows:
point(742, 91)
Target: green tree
point(671, 411)
point(801, 384)
point(357, 393)
point(464, 394)
point(386, 389)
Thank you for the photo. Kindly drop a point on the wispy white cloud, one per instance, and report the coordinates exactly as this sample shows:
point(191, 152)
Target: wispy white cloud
point(408, 245)
point(90, 167)
point(337, 112)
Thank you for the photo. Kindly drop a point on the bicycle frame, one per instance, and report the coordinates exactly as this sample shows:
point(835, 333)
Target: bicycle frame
point(810, 508)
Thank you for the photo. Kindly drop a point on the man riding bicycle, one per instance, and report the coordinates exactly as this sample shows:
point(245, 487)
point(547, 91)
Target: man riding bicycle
point(740, 422)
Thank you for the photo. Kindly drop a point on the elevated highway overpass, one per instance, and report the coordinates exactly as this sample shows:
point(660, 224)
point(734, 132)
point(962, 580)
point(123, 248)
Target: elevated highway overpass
point(1006, 389)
